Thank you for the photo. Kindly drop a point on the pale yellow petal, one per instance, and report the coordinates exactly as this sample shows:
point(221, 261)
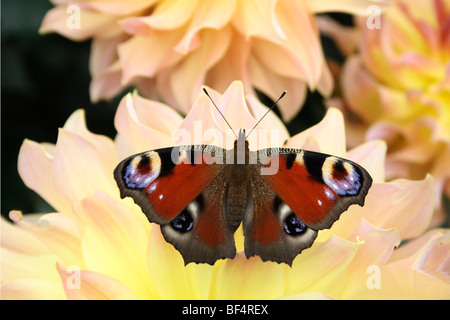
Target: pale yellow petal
point(172, 279)
point(35, 166)
point(144, 124)
point(59, 233)
point(16, 266)
point(365, 276)
point(122, 234)
point(240, 278)
point(105, 147)
point(321, 267)
point(32, 289)
point(88, 285)
point(76, 157)
point(13, 238)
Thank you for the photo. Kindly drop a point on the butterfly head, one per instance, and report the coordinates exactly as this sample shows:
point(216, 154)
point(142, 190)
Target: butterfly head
point(241, 150)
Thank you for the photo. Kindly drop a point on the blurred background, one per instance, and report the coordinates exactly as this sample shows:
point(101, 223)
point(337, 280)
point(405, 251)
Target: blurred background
point(45, 78)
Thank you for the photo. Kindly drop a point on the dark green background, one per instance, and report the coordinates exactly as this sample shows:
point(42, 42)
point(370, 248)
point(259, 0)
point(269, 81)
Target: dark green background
point(45, 78)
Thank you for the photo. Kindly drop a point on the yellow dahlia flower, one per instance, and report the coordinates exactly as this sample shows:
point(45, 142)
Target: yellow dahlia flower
point(170, 48)
point(98, 246)
point(398, 87)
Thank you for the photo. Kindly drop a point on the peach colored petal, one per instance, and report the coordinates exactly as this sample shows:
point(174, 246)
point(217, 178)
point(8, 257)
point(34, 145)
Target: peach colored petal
point(413, 273)
point(134, 54)
point(334, 144)
point(89, 285)
point(435, 257)
point(91, 23)
point(402, 204)
point(104, 55)
point(301, 47)
point(120, 7)
point(233, 65)
point(168, 14)
point(257, 18)
point(212, 14)
point(371, 155)
point(273, 85)
point(186, 79)
point(107, 83)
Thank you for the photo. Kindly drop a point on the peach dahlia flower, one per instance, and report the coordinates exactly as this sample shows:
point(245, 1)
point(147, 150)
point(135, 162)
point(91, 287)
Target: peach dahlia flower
point(171, 48)
point(397, 88)
point(98, 246)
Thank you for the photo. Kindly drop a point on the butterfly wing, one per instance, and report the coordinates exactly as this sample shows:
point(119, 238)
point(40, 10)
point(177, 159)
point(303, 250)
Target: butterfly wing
point(180, 188)
point(298, 193)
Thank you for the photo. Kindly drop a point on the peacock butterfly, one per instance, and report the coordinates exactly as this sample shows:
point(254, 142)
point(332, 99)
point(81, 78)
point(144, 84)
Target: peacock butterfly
point(200, 194)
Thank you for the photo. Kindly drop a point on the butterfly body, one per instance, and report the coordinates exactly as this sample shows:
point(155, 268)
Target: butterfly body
point(200, 195)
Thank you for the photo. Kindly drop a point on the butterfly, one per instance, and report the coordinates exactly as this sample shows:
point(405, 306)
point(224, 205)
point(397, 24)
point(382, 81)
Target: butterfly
point(200, 195)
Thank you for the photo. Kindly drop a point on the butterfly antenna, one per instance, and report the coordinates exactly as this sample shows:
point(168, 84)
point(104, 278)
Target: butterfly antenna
point(206, 92)
point(273, 106)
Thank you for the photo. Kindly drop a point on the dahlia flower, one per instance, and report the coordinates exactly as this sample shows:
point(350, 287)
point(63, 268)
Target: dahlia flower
point(171, 48)
point(397, 88)
point(98, 246)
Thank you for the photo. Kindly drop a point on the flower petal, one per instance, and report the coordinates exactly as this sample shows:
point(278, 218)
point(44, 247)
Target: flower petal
point(88, 285)
point(32, 289)
point(240, 278)
point(62, 20)
point(145, 124)
point(371, 155)
point(172, 279)
point(329, 133)
point(318, 268)
point(113, 227)
point(35, 165)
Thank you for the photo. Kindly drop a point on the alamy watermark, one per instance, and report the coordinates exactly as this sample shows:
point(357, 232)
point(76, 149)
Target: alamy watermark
point(73, 21)
point(374, 19)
